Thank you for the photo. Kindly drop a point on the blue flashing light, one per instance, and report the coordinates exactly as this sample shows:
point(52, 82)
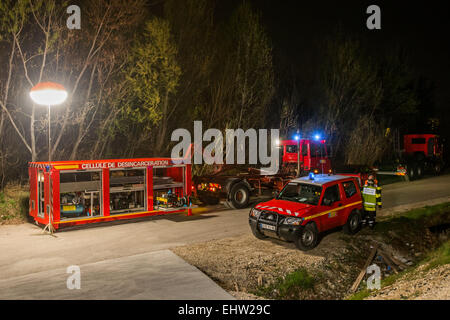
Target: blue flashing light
point(317, 137)
point(297, 137)
point(311, 176)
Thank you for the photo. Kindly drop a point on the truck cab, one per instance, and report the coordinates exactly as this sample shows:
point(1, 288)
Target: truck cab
point(307, 206)
point(313, 155)
point(422, 153)
point(427, 145)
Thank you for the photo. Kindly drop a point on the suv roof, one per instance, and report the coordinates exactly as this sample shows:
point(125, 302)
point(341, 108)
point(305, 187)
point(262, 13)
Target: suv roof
point(321, 179)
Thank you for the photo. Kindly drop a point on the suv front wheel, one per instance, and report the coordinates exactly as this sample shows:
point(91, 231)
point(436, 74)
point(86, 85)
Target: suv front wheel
point(308, 237)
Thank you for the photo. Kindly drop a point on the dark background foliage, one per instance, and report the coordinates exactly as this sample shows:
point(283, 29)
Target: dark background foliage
point(137, 70)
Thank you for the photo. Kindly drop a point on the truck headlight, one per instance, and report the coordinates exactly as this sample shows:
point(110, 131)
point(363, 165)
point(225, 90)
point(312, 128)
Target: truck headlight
point(255, 213)
point(293, 221)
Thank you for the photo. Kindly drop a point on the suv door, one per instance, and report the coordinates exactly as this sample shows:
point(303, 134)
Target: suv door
point(352, 195)
point(331, 200)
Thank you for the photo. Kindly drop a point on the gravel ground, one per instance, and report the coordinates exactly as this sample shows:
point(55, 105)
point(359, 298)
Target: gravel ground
point(418, 285)
point(247, 267)
point(243, 264)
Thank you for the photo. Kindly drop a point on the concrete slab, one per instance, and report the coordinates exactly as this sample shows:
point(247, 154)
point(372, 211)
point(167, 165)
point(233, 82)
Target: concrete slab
point(153, 275)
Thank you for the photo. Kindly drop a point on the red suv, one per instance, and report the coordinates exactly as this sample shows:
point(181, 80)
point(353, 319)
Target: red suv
point(307, 206)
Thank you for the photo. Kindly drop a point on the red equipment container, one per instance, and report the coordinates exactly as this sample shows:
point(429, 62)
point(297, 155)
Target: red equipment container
point(80, 192)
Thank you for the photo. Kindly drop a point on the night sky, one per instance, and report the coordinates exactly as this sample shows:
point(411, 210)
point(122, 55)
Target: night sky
point(420, 29)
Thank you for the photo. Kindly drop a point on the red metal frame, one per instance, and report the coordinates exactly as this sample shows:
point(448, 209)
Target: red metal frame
point(180, 172)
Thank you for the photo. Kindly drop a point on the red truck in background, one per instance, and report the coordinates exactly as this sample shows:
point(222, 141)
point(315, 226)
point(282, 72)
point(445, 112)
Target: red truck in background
point(421, 153)
point(313, 156)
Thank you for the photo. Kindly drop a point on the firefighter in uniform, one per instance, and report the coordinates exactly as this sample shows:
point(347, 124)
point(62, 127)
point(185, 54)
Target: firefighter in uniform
point(371, 194)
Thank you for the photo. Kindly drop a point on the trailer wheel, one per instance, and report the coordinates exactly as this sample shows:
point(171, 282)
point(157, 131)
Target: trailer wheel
point(353, 223)
point(411, 172)
point(239, 196)
point(419, 171)
point(307, 239)
point(437, 169)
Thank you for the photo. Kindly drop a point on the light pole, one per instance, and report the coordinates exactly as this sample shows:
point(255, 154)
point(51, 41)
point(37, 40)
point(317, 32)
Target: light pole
point(49, 94)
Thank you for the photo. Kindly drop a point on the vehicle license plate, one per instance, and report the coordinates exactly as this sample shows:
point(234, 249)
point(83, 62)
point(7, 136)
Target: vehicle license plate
point(267, 226)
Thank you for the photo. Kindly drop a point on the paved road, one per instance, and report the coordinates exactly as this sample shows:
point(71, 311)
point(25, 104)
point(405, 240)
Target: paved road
point(23, 250)
point(153, 275)
point(415, 191)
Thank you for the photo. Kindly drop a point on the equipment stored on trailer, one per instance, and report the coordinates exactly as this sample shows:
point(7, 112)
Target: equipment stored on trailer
point(67, 193)
point(307, 206)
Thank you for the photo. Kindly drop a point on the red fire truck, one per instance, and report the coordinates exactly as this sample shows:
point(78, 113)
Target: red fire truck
point(67, 193)
point(313, 156)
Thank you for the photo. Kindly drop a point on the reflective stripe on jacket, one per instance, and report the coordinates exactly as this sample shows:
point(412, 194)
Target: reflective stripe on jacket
point(369, 195)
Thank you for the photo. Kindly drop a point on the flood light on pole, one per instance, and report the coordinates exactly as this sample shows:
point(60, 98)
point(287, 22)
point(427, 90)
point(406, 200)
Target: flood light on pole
point(49, 94)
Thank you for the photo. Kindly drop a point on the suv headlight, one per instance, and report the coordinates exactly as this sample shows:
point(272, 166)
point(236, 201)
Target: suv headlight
point(293, 221)
point(255, 213)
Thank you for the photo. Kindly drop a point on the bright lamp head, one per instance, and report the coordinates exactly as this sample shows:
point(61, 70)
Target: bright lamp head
point(48, 93)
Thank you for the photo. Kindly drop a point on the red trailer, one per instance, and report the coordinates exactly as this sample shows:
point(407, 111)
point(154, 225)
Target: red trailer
point(78, 192)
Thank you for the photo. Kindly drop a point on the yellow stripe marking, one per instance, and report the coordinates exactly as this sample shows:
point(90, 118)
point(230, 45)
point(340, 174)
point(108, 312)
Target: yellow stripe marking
point(332, 210)
point(112, 216)
point(66, 167)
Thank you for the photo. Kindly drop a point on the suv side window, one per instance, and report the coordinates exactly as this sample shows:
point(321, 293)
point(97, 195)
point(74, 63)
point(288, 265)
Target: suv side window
point(331, 195)
point(349, 188)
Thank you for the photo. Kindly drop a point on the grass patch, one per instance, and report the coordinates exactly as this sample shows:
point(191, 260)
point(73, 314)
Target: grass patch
point(14, 201)
point(438, 257)
point(289, 286)
point(415, 219)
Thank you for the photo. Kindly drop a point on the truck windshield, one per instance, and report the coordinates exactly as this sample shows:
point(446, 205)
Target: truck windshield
point(301, 192)
point(291, 148)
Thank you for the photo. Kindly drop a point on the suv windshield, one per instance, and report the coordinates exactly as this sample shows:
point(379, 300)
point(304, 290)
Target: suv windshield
point(301, 192)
